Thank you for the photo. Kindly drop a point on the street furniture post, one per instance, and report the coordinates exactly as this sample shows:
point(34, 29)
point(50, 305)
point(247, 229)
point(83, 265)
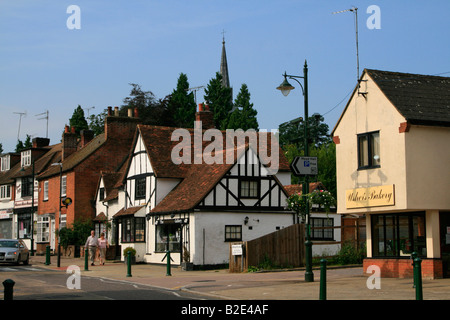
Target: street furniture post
point(323, 280)
point(47, 255)
point(418, 278)
point(8, 285)
point(86, 259)
point(129, 264)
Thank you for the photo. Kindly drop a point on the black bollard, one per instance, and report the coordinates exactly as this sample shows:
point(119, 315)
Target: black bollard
point(8, 284)
point(47, 255)
point(418, 278)
point(129, 264)
point(323, 280)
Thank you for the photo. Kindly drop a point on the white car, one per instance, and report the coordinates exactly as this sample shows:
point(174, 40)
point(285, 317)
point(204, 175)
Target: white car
point(14, 251)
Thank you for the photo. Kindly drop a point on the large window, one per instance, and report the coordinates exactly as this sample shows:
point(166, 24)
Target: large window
point(398, 235)
point(168, 237)
point(27, 187)
point(322, 228)
point(369, 150)
point(133, 229)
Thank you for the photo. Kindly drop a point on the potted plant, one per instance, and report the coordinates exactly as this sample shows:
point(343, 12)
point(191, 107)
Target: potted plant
point(132, 252)
point(186, 265)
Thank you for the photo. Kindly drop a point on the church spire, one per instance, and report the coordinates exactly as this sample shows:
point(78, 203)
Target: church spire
point(224, 65)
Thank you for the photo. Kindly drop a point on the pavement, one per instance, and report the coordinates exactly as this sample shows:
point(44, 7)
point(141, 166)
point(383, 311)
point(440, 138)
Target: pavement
point(348, 283)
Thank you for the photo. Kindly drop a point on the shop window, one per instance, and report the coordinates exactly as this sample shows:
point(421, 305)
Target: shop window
point(233, 233)
point(168, 237)
point(369, 150)
point(322, 229)
point(398, 235)
point(133, 229)
point(24, 225)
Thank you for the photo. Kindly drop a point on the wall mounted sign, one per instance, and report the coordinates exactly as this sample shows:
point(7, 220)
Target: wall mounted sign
point(370, 197)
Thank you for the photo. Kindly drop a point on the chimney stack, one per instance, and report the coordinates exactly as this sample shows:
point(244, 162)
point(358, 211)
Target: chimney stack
point(40, 142)
point(86, 137)
point(205, 116)
point(69, 142)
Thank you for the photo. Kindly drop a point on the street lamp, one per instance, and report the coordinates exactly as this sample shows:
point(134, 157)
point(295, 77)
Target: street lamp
point(59, 215)
point(285, 87)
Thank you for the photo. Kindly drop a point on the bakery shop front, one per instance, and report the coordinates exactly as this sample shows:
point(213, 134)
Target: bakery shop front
point(392, 156)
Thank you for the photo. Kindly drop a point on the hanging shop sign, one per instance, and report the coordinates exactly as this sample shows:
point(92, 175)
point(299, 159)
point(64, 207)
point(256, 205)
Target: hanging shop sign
point(370, 197)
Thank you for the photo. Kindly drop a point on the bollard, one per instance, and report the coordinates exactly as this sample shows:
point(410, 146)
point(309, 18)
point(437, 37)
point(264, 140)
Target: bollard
point(168, 262)
point(86, 259)
point(168, 273)
point(418, 278)
point(8, 284)
point(129, 264)
point(323, 280)
point(47, 255)
point(413, 257)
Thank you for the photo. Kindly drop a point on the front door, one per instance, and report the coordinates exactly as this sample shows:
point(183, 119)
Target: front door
point(444, 218)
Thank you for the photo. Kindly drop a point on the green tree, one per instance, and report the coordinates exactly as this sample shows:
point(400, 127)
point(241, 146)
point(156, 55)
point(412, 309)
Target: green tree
point(293, 132)
point(97, 122)
point(24, 145)
point(1, 148)
point(291, 139)
point(244, 115)
point(151, 111)
point(181, 106)
point(220, 101)
point(78, 120)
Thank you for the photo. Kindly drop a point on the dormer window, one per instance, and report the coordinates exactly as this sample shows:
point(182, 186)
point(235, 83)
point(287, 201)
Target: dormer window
point(26, 158)
point(5, 163)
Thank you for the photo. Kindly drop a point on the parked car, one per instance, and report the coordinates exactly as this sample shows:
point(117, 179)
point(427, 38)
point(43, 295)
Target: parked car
point(14, 251)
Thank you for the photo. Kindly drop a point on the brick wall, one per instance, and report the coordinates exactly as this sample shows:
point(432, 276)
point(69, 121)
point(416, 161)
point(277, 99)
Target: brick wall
point(403, 268)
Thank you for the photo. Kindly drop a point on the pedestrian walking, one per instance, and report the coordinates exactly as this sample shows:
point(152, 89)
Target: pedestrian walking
point(102, 244)
point(92, 244)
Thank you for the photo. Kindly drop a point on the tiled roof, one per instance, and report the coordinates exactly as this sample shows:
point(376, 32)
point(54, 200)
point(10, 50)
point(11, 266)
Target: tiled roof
point(421, 99)
point(127, 212)
point(110, 180)
point(197, 179)
point(77, 157)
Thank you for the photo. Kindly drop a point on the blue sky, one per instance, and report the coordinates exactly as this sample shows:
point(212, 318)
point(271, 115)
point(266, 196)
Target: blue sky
point(46, 66)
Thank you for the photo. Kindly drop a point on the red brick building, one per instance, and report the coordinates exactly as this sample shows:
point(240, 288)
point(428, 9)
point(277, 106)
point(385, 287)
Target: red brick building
point(77, 172)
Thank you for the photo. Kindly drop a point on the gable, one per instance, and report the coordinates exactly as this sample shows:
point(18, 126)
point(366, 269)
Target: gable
point(232, 191)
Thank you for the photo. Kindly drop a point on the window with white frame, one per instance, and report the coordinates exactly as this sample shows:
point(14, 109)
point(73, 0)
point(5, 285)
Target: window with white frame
point(26, 158)
point(63, 185)
point(43, 229)
point(5, 192)
point(45, 190)
point(5, 163)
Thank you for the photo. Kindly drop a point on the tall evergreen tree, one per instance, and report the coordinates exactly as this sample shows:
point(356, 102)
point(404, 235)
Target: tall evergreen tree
point(220, 101)
point(244, 116)
point(181, 106)
point(150, 110)
point(78, 120)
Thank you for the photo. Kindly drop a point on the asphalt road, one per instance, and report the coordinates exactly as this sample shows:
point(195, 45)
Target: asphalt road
point(35, 283)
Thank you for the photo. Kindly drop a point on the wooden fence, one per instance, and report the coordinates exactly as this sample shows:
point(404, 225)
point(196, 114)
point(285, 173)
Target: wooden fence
point(286, 247)
point(283, 248)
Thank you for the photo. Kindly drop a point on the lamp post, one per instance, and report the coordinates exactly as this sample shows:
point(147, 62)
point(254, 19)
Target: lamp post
point(285, 87)
point(59, 215)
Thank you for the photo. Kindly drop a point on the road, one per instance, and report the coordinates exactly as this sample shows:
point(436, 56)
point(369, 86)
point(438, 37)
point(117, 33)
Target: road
point(35, 283)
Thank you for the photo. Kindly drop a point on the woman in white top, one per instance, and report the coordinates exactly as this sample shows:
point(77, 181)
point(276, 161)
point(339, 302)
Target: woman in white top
point(102, 244)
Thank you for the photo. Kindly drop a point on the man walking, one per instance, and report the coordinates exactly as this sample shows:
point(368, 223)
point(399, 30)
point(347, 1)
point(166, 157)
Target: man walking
point(91, 244)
